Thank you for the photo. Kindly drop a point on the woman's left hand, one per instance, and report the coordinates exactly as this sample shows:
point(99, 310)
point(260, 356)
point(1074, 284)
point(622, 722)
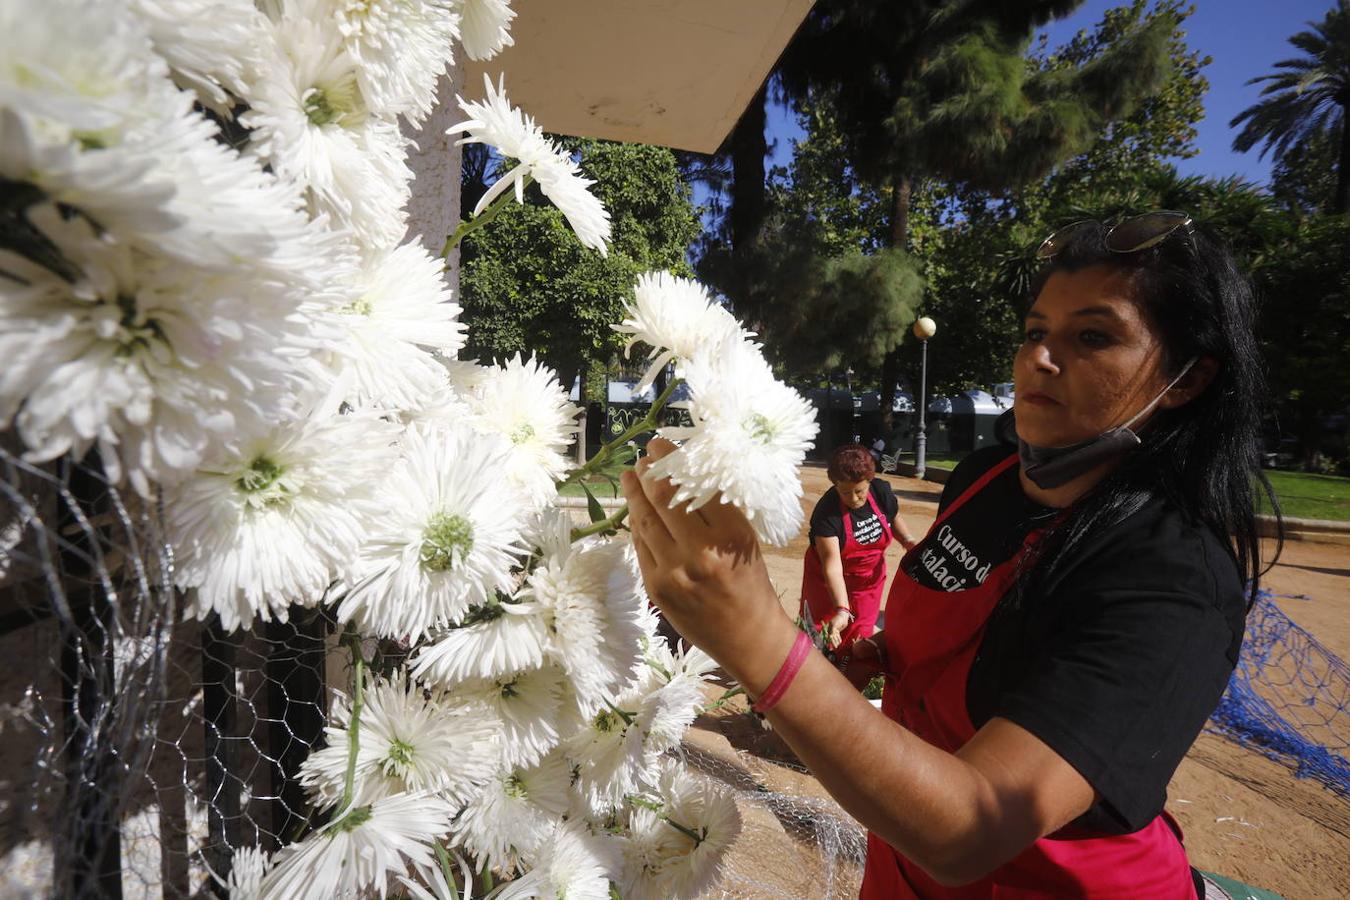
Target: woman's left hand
point(705, 572)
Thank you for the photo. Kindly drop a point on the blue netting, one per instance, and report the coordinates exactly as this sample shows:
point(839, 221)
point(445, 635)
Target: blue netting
point(1288, 699)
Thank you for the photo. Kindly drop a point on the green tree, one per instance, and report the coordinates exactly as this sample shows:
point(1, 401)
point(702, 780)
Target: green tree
point(1306, 100)
point(527, 284)
point(1304, 179)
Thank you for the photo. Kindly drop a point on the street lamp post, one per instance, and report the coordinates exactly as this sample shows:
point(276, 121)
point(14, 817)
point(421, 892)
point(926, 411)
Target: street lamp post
point(924, 329)
point(852, 405)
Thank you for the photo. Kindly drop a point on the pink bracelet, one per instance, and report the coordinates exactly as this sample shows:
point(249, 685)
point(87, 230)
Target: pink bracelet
point(801, 648)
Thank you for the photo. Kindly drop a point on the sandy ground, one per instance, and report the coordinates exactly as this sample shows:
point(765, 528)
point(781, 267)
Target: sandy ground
point(1244, 816)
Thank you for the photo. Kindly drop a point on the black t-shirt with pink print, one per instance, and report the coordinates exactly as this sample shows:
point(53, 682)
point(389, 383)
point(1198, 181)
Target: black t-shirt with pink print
point(1117, 663)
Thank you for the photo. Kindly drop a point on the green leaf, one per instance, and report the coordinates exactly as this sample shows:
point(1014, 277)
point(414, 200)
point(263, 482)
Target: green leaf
point(593, 507)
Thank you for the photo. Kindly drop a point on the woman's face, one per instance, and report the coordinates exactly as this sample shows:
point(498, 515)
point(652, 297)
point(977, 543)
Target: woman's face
point(1091, 358)
point(853, 493)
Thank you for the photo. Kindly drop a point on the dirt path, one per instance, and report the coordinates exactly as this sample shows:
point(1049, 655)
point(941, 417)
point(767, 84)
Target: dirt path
point(1244, 815)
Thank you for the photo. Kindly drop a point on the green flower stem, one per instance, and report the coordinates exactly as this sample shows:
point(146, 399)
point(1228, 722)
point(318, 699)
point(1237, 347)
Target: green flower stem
point(720, 701)
point(646, 423)
point(469, 226)
point(353, 642)
point(685, 830)
point(485, 881)
point(602, 526)
point(447, 870)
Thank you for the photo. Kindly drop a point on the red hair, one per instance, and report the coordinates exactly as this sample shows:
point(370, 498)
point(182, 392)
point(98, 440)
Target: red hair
point(850, 463)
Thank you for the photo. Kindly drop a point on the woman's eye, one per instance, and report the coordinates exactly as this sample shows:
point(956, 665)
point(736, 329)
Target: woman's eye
point(1094, 338)
point(1035, 334)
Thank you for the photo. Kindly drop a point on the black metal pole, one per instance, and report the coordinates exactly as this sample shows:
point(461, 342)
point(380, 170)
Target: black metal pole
point(297, 707)
point(223, 785)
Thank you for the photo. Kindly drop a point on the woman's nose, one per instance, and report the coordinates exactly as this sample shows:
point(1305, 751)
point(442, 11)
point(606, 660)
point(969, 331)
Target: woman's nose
point(1042, 360)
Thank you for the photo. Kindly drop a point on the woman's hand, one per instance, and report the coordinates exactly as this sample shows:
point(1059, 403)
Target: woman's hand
point(704, 571)
point(841, 620)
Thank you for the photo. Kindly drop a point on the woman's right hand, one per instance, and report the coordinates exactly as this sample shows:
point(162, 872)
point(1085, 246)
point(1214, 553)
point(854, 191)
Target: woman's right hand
point(834, 629)
point(866, 660)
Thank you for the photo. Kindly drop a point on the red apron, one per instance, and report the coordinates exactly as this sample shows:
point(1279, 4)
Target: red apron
point(930, 655)
point(864, 578)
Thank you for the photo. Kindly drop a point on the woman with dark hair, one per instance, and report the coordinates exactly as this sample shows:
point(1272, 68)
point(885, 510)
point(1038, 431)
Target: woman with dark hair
point(1057, 640)
point(844, 567)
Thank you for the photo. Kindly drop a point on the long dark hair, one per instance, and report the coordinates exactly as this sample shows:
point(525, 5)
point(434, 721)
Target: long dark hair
point(1203, 456)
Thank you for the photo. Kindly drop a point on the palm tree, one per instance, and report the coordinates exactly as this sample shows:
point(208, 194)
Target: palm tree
point(1307, 99)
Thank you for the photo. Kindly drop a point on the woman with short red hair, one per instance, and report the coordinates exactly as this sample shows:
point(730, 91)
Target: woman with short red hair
point(845, 563)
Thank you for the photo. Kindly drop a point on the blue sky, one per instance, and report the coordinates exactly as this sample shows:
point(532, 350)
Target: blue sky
point(1244, 37)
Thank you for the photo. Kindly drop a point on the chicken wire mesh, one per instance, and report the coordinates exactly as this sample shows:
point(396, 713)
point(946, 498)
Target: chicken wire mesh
point(140, 750)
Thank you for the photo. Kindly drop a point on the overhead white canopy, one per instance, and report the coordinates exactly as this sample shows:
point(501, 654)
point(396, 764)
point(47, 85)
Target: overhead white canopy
point(677, 73)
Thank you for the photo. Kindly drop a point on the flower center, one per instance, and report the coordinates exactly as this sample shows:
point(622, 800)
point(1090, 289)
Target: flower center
point(509, 690)
point(133, 331)
point(522, 433)
point(515, 786)
point(262, 480)
point(760, 428)
point(362, 307)
point(338, 103)
point(606, 721)
point(447, 539)
point(399, 757)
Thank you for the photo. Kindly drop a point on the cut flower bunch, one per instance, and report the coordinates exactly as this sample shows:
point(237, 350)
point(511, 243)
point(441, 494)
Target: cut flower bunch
point(208, 290)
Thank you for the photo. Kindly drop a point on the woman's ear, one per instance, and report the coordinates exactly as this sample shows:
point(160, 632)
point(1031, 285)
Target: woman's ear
point(1191, 385)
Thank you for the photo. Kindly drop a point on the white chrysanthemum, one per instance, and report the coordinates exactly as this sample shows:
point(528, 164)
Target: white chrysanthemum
point(448, 540)
point(677, 318)
point(269, 522)
point(663, 862)
point(406, 742)
point(212, 46)
point(309, 121)
point(672, 692)
point(247, 869)
point(526, 708)
point(572, 863)
point(401, 49)
point(361, 852)
point(401, 313)
point(516, 811)
point(523, 402)
point(499, 640)
point(87, 68)
point(149, 359)
point(485, 27)
point(610, 757)
point(593, 596)
point(750, 434)
point(496, 122)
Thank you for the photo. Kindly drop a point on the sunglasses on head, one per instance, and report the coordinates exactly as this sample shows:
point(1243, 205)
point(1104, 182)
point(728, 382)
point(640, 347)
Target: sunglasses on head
point(1129, 236)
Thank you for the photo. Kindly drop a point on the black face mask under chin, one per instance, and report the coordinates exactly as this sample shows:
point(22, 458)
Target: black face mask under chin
point(1052, 467)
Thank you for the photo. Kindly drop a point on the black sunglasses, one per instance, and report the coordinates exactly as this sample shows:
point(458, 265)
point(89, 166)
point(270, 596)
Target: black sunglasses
point(1129, 236)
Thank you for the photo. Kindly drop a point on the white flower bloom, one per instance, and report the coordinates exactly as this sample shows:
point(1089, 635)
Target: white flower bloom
point(401, 314)
point(677, 318)
point(247, 869)
point(500, 640)
point(572, 863)
point(526, 708)
point(405, 743)
point(673, 695)
point(523, 402)
point(485, 27)
point(401, 49)
point(662, 861)
point(271, 521)
point(448, 539)
point(593, 596)
point(611, 758)
point(150, 359)
point(750, 434)
point(495, 121)
point(361, 852)
point(311, 124)
point(212, 46)
point(516, 811)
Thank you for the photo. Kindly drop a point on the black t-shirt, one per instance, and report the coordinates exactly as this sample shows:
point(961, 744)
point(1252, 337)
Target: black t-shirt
point(1118, 661)
point(827, 520)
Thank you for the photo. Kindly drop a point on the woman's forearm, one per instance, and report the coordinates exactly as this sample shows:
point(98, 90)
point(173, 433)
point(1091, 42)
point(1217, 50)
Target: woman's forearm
point(936, 808)
point(834, 577)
